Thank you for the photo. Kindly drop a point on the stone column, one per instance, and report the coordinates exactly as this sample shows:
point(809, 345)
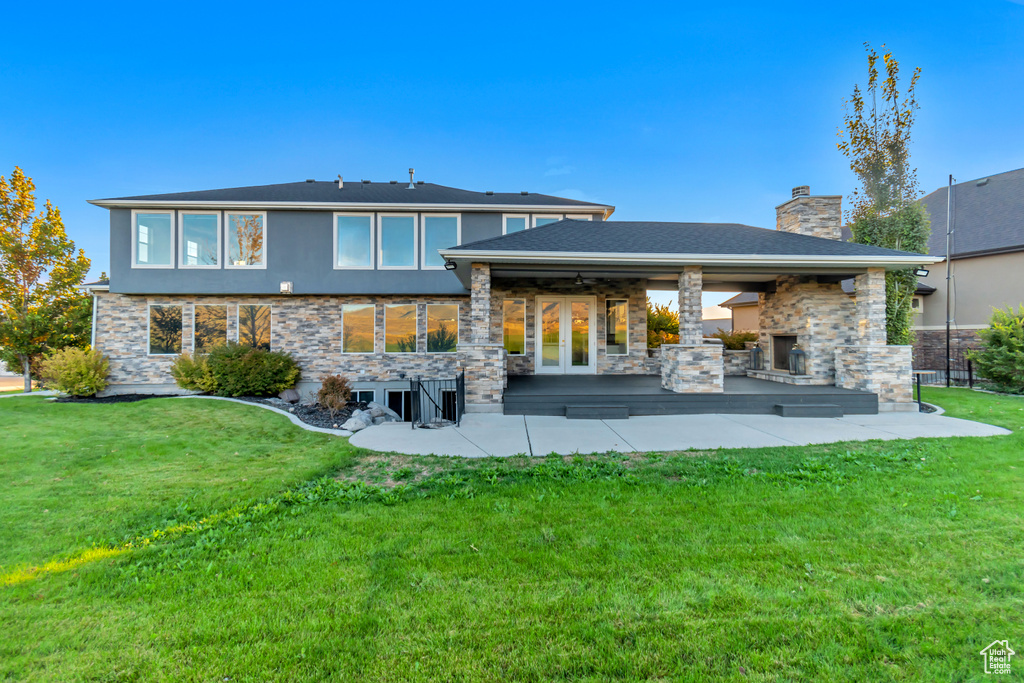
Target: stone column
point(870, 293)
point(480, 303)
point(691, 326)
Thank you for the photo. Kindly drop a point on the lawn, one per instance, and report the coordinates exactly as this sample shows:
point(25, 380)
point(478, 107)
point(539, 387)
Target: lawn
point(878, 561)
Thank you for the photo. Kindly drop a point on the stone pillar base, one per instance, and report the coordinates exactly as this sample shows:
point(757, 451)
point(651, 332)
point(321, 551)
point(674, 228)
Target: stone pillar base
point(484, 365)
point(687, 369)
point(882, 370)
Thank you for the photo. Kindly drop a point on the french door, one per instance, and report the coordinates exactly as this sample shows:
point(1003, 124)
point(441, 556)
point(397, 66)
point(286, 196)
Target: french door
point(566, 343)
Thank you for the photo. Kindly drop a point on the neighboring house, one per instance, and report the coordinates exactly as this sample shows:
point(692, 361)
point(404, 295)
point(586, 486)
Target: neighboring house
point(744, 311)
point(383, 282)
point(715, 318)
point(987, 261)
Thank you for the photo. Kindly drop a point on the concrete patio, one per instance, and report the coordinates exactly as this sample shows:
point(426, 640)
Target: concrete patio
point(482, 435)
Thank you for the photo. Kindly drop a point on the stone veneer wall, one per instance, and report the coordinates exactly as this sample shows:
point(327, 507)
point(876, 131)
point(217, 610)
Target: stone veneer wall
point(691, 325)
point(930, 347)
point(692, 369)
point(822, 316)
point(814, 216)
point(308, 327)
point(736, 362)
point(486, 376)
point(634, 363)
point(882, 370)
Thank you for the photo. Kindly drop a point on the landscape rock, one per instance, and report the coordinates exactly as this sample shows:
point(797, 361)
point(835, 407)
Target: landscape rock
point(360, 420)
point(289, 395)
point(378, 410)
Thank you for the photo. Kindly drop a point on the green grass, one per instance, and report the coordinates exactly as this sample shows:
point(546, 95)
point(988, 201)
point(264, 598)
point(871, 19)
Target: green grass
point(878, 561)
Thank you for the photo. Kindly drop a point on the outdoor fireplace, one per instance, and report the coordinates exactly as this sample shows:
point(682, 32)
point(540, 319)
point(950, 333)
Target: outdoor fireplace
point(782, 344)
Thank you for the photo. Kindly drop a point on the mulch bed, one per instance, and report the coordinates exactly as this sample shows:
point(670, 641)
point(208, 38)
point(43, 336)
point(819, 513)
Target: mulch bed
point(120, 398)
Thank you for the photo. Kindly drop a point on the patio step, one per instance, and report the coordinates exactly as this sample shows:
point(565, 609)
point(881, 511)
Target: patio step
point(809, 409)
point(577, 412)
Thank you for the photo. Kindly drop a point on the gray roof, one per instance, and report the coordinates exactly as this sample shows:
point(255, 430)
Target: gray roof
point(358, 192)
point(741, 299)
point(988, 215)
point(645, 237)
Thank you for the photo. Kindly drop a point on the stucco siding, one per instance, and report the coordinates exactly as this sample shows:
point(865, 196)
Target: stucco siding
point(983, 284)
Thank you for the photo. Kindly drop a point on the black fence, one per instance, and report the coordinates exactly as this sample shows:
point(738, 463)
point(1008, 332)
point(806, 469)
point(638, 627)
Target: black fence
point(438, 402)
point(961, 371)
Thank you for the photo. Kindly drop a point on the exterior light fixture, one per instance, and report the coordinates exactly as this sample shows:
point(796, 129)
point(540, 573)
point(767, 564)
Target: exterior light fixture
point(450, 265)
point(921, 272)
point(756, 357)
point(286, 288)
point(797, 361)
point(579, 279)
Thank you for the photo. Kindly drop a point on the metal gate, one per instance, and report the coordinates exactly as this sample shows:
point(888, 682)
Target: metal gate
point(438, 402)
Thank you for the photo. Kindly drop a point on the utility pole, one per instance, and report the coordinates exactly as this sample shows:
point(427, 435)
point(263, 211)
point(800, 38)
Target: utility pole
point(949, 235)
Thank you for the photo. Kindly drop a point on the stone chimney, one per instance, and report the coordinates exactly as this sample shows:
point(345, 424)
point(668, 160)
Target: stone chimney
point(814, 216)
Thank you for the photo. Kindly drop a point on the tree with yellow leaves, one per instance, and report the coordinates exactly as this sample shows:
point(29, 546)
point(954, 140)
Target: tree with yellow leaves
point(40, 306)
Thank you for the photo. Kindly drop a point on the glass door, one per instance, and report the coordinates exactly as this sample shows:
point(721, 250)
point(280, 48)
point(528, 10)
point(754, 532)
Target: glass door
point(550, 343)
point(565, 339)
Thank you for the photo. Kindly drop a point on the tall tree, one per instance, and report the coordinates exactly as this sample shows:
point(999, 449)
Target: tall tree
point(884, 210)
point(40, 307)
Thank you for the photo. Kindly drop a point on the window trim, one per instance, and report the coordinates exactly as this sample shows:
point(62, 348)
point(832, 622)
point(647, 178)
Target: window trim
point(227, 317)
point(458, 313)
point(580, 217)
point(626, 352)
point(416, 308)
point(423, 236)
point(149, 324)
point(534, 217)
point(181, 239)
point(135, 238)
point(227, 245)
point(359, 353)
point(388, 392)
point(514, 355)
point(334, 229)
point(238, 322)
point(415, 240)
point(506, 216)
point(373, 392)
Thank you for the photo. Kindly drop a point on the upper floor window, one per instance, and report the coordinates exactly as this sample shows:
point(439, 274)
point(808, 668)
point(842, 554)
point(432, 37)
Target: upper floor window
point(511, 222)
point(199, 244)
point(397, 241)
point(439, 232)
point(353, 241)
point(544, 220)
point(247, 239)
point(582, 217)
point(152, 243)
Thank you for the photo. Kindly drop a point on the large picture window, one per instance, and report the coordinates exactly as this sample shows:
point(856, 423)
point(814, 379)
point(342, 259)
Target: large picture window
point(397, 241)
point(514, 312)
point(439, 232)
point(511, 223)
point(400, 328)
point(353, 241)
point(616, 327)
point(254, 326)
point(442, 328)
point(200, 240)
point(357, 328)
point(209, 327)
point(152, 241)
point(247, 239)
point(164, 330)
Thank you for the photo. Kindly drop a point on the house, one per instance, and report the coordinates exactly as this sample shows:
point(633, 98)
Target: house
point(986, 263)
point(539, 300)
point(743, 308)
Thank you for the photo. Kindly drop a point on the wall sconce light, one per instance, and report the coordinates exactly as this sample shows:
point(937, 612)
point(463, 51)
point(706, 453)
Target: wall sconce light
point(921, 272)
point(286, 288)
point(450, 265)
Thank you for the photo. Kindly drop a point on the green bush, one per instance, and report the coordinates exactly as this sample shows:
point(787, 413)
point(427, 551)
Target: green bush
point(334, 393)
point(75, 371)
point(735, 340)
point(193, 373)
point(1001, 357)
point(244, 371)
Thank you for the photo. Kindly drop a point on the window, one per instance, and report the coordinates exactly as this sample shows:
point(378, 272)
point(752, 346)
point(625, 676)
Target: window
point(915, 303)
point(397, 241)
point(152, 246)
point(442, 328)
point(512, 222)
point(357, 328)
point(439, 232)
point(400, 402)
point(200, 239)
point(209, 327)
point(247, 235)
point(164, 330)
point(400, 328)
point(254, 326)
point(544, 220)
point(585, 217)
point(363, 395)
point(353, 241)
point(514, 312)
point(616, 327)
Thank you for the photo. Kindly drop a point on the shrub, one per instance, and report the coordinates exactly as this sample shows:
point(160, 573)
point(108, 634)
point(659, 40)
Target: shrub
point(735, 340)
point(244, 371)
point(193, 373)
point(1001, 357)
point(74, 371)
point(662, 325)
point(334, 393)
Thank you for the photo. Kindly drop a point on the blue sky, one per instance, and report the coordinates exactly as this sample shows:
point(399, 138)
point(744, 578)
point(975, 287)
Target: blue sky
point(680, 111)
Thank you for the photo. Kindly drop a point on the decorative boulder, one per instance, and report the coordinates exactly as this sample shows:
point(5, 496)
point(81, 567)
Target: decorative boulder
point(377, 410)
point(289, 395)
point(360, 420)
